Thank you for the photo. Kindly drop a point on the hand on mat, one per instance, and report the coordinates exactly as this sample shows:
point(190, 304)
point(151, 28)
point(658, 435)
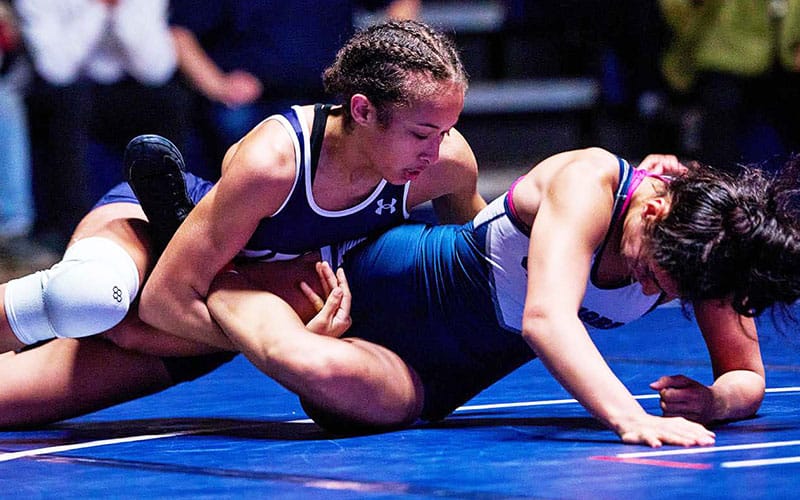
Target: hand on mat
point(657, 431)
point(684, 397)
point(333, 313)
point(663, 165)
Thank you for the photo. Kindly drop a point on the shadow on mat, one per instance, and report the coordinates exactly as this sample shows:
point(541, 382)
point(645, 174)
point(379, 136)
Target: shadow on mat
point(227, 427)
point(70, 432)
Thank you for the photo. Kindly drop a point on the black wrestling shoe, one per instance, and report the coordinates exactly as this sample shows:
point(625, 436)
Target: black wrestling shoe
point(154, 168)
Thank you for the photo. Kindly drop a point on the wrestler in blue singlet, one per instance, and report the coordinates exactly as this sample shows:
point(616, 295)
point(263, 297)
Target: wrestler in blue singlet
point(449, 299)
point(300, 225)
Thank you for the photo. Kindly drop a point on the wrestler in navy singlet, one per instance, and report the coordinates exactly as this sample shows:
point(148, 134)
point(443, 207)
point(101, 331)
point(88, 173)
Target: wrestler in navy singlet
point(300, 225)
point(449, 299)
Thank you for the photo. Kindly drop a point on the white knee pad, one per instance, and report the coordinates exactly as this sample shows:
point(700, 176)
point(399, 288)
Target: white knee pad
point(86, 293)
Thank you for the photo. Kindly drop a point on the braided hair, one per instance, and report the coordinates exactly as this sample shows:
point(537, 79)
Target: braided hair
point(393, 63)
point(733, 237)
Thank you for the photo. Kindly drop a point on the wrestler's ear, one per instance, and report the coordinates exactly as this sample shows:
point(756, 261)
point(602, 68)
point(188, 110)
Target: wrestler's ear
point(362, 110)
point(656, 208)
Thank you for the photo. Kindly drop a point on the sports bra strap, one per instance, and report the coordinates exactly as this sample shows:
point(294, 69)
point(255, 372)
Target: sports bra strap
point(321, 112)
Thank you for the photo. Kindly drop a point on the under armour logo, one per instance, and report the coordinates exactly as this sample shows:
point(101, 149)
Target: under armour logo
point(386, 206)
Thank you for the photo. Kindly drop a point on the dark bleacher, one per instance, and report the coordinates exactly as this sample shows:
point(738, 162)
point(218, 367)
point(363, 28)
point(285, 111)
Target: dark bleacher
point(531, 93)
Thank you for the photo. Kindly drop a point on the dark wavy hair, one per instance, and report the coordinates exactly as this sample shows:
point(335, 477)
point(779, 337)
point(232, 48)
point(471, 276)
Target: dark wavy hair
point(384, 62)
point(733, 237)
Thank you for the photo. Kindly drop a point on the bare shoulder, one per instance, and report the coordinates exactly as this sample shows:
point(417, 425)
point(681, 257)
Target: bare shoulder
point(590, 166)
point(266, 153)
point(577, 179)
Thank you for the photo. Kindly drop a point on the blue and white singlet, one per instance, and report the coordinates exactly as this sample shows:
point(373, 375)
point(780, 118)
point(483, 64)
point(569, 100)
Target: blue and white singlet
point(300, 225)
point(449, 299)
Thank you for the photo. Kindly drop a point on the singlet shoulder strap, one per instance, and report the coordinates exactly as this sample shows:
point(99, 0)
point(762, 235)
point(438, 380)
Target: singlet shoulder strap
point(621, 196)
point(321, 112)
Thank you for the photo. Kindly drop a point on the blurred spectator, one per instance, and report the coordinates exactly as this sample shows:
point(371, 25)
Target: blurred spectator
point(740, 60)
point(251, 58)
point(105, 71)
point(16, 197)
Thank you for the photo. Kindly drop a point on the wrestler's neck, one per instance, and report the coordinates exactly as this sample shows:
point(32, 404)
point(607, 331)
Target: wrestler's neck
point(624, 246)
point(344, 162)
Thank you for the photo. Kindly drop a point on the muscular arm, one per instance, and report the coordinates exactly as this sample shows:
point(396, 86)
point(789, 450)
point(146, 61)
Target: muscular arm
point(562, 243)
point(257, 180)
point(739, 383)
point(570, 223)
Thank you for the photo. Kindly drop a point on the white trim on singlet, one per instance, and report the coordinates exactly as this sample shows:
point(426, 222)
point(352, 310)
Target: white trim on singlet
point(296, 144)
point(347, 211)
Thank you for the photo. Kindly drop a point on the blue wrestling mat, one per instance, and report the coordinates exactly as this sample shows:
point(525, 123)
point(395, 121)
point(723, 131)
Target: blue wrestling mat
point(237, 434)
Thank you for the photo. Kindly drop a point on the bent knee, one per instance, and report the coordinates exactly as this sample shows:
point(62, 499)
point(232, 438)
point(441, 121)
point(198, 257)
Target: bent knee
point(88, 292)
point(359, 400)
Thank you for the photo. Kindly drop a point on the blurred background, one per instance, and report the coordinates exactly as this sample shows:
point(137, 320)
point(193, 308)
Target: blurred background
point(709, 80)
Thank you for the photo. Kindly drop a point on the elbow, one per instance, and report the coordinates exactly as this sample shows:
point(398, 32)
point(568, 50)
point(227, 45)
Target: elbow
point(535, 325)
point(757, 396)
point(738, 398)
point(150, 306)
point(754, 395)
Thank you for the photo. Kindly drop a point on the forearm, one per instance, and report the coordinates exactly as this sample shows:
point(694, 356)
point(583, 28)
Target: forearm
point(184, 315)
point(575, 362)
point(458, 210)
point(195, 64)
point(737, 394)
point(134, 335)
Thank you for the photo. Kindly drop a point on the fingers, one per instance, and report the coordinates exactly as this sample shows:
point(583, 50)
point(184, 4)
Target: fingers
point(330, 308)
point(346, 300)
point(330, 282)
point(648, 438)
point(333, 307)
point(327, 278)
point(660, 164)
point(675, 431)
point(674, 381)
point(312, 296)
point(682, 396)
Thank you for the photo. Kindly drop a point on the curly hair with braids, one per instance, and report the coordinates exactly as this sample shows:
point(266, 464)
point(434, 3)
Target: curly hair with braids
point(732, 237)
point(393, 63)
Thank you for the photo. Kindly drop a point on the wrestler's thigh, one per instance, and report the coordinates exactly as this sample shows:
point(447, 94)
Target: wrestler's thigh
point(123, 223)
point(380, 391)
point(64, 378)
